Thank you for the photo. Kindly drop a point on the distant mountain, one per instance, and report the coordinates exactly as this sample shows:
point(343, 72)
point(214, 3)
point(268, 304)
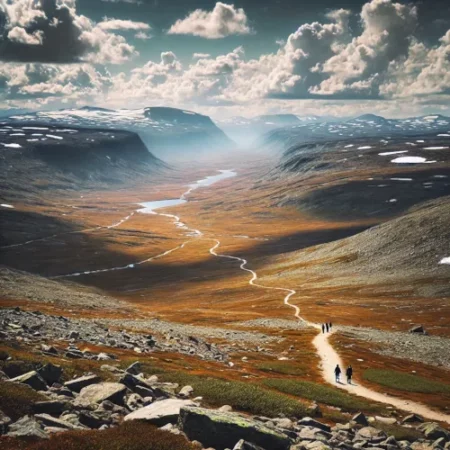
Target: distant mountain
point(169, 133)
point(247, 131)
point(367, 125)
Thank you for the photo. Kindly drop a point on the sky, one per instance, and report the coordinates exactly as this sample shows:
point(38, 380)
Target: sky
point(246, 58)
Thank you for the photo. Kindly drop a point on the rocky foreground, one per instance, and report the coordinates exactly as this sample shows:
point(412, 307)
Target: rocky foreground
point(88, 403)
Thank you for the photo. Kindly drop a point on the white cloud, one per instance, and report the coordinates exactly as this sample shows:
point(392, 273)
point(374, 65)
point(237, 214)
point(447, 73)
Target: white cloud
point(18, 34)
point(383, 62)
point(201, 55)
point(53, 32)
point(143, 36)
point(118, 24)
point(360, 66)
point(224, 20)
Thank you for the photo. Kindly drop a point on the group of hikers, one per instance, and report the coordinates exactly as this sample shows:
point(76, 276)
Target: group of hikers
point(348, 372)
point(326, 328)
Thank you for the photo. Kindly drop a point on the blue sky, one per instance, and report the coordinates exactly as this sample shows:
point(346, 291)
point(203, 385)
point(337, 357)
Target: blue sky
point(243, 58)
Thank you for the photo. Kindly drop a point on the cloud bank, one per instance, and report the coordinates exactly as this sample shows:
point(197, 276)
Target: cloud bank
point(381, 66)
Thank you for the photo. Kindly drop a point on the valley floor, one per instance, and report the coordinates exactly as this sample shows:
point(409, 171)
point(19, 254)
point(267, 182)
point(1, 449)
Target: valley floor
point(185, 271)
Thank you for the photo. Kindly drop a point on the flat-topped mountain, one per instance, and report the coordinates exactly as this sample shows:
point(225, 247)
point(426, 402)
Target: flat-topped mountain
point(169, 133)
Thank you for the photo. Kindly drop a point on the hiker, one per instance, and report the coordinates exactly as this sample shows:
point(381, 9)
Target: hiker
point(323, 328)
point(330, 325)
point(326, 326)
point(337, 372)
point(349, 373)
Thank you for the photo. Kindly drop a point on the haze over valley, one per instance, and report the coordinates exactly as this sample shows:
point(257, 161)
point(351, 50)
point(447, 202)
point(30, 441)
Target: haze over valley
point(235, 246)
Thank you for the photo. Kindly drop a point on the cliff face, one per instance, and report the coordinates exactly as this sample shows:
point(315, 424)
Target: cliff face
point(43, 157)
point(169, 133)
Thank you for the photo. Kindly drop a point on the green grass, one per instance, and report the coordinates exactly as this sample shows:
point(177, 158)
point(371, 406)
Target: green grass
point(282, 368)
point(128, 436)
point(16, 399)
point(246, 397)
point(405, 381)
point(322, 394)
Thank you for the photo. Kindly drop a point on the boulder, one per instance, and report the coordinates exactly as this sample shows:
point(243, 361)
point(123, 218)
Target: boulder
point(160, 413)
point(51, 421)
point(93, 419)
point(53, 407)
point(360, 419)
point(186, 391)
point(417, 329)
point(135, 368)
point(433, 431)
point(50, 373)
point(222, 430)
point(32, 379)
point(4, 423)
point(97, 393)
point(413, 418)
point(244, 445)
point(27, 427)
point(135, 383)
point(370, 434)
point(309, 422)
point(79, 383)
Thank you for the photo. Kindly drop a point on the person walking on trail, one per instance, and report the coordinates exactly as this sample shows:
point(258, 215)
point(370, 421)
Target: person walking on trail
point(326, 326)
point(323, 328)
point(330, 325)
point(349, 373)
point(337, 372)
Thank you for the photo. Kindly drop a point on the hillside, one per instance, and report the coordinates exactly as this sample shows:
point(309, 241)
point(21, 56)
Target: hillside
point(169, 133)
point(407, 252)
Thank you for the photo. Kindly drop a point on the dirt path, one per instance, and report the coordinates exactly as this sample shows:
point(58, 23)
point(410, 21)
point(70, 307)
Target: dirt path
point(329, 357)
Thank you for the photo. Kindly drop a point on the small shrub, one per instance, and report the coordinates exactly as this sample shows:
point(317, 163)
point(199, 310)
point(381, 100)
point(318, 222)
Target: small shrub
point(405, 381)
point(322, 394)
point(16, 399)
point(282, 367)
point(128, 436)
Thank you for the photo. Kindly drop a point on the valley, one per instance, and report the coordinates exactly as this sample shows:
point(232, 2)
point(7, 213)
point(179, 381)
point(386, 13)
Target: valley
point(232, 264)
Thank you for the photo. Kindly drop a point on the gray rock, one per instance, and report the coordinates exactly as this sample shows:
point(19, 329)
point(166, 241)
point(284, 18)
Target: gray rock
point(97, 393)
point(314, 434)
point(226, 408)
point(4, 423)
point(413, 418)
point(417, 329)
point(221, 430)
point(135, 368)
point(160, 413)
point(53, 407)
point(309, 422)
point(27, 427)
point(244, 445)
point(370, 434)
point(433, 431)
point(32, 379)
point(186, 391)
point(134, 402)
point(94, 419)
point(360, 419)
point(50, 373)
point(51, 421)
point(78, 384)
